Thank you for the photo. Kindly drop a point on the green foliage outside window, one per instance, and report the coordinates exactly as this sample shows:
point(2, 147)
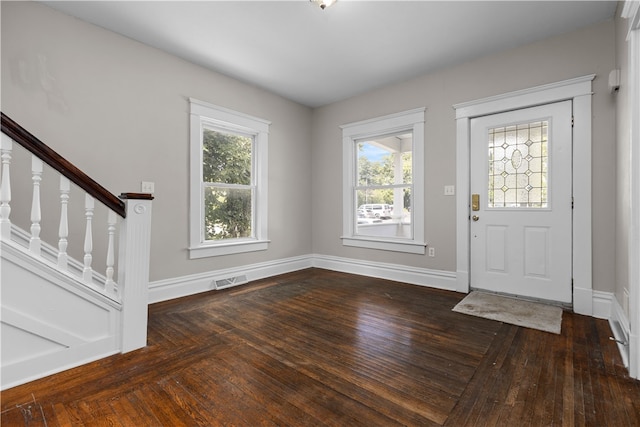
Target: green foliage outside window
point(226, 169)
point(380, 173)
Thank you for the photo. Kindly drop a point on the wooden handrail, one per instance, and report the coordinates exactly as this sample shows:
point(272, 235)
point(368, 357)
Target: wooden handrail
point(62, 165)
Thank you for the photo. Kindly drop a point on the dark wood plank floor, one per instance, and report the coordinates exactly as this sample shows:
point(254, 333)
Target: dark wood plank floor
point(323, 348)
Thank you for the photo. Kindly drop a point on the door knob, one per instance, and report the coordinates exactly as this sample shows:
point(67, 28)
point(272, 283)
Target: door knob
point(475, 217)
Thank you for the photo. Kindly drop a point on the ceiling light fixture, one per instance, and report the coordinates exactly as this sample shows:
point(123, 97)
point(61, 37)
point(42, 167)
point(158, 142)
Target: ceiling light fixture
point(323, 3)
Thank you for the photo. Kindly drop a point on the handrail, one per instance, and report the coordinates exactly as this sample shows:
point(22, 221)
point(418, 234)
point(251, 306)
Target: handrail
point(62, 165)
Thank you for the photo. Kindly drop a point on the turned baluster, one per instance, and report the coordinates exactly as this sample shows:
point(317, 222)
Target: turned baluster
point(5, 187)
point(110, 285)
point(87, 272)
point(63, 230)
point(36, 215)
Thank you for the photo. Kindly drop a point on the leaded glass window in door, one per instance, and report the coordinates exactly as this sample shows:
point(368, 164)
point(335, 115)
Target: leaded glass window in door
point(518, 166)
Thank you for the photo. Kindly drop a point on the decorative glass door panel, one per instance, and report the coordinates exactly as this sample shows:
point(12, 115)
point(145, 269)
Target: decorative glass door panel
point(518, 166)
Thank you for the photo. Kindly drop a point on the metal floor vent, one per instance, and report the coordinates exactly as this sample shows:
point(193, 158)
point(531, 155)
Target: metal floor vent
point(230, 281)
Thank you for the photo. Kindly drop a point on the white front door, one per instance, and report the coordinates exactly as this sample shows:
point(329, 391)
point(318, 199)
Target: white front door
point(521, 216)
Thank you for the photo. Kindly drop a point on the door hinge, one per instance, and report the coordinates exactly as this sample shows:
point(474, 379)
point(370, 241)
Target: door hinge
point(572, 202)
point(572, 121)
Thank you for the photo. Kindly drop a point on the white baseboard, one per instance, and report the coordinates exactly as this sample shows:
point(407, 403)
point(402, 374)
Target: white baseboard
point(400, 273)
point(620, 326)
point(583, 301)
point(602, 303)
point(163, 290)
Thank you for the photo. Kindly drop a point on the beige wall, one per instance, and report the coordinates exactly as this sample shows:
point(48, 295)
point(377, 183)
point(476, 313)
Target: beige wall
point(587, 51)
point(119, 111)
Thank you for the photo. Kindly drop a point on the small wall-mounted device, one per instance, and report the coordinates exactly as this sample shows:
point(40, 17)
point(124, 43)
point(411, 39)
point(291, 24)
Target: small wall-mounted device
point(614, 81)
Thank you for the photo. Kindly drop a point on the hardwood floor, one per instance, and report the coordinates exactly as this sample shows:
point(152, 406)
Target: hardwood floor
point(318, 348)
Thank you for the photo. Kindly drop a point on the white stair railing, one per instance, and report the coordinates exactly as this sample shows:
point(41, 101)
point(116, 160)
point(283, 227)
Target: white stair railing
point(131, 288)
point(5, 187)
point(87, 272)
point(35, 243)
point(63, 228)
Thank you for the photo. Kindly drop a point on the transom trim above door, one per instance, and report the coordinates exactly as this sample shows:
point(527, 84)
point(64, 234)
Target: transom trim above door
point(579, 92)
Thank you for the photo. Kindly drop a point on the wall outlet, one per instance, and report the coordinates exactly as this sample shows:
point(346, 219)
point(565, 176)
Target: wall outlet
point(432, 252)
point(147, 187)
point(449, 190)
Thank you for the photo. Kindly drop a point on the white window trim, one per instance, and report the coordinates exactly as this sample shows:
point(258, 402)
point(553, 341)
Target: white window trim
point(411, 120)
point(201, 113)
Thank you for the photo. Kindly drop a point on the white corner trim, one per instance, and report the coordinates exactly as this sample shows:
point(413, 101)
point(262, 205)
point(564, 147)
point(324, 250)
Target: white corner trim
point(400, 273)
point(163, 290)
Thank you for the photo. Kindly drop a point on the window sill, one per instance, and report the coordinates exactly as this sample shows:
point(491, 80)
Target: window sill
point(237, 247)
point(385, 245)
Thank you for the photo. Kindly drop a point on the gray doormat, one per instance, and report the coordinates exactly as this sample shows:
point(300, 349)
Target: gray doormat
point(512, 310)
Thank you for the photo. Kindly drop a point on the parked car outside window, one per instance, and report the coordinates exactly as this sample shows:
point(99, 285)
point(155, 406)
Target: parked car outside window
point(380, 210)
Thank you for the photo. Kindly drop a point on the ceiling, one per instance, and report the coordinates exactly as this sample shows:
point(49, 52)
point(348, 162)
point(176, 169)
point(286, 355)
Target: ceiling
point(316, 57)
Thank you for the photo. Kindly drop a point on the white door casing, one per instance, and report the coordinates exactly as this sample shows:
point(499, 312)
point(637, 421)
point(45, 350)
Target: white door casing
point(631, 12)
point(520, 240)
point(579, 91)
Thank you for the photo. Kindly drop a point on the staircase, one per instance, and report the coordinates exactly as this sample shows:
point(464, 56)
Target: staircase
point(58, 310)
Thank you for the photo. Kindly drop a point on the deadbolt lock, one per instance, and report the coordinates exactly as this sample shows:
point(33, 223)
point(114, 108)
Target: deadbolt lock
point(475, 202)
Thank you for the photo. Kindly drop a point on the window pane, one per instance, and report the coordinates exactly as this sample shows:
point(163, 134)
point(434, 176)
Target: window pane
point(226, 158)
point(384, 167)
point(227, 213)
point(385, 220)
point(385, 160)
point(518, 166)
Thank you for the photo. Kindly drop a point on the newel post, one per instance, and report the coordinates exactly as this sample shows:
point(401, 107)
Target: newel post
point(133, 269)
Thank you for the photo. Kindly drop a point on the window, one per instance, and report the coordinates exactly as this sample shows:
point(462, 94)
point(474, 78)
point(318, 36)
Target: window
point(228, 181)
point(383, 189)
point(518, 166)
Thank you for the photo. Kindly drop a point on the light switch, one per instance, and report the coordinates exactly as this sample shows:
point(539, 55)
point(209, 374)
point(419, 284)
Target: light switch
point(147, 187)
point(449, 190)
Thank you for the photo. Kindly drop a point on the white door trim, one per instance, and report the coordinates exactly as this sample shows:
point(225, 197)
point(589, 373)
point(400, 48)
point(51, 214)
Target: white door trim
point(577, 90)
point(631, 11)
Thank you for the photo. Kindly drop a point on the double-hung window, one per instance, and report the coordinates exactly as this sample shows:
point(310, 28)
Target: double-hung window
point(228, 181)
point(383, 183)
